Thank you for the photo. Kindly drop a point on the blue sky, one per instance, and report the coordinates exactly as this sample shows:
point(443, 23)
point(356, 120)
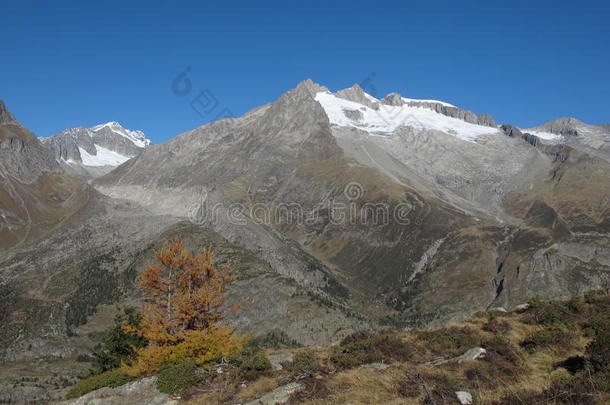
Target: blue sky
point(71, 63)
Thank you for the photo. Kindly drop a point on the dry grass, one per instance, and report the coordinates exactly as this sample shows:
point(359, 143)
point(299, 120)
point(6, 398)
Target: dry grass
point(210, 398)
point(258, 388)
point(365, 386)
point(506, 375)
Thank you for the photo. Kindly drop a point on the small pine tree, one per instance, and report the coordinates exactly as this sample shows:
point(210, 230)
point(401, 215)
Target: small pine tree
point(118, 345)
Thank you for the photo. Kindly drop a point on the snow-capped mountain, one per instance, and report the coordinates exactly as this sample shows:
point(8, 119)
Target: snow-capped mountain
point(385, 116)
point(95, 151)
point(136, 137)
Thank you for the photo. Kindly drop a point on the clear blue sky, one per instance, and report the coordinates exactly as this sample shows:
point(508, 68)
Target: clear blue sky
point(71, 63)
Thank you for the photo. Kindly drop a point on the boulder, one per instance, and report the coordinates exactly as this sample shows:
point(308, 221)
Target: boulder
point(521, 307)
point(471, 354)
point(464, 397)
point(277, 359)
point(142, 391)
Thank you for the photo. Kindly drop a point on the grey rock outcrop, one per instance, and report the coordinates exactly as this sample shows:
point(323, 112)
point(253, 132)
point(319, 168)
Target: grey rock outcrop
point(594, 139)
point(277, 359)
point(469, 355)
point(395, 99)
point(531, 139)
point(464, 397)
point(65, 145)
point(142, 391)
point(563, 126)
point(515, 132)
point(511, 131)
point(114, 137)
point(356, 94)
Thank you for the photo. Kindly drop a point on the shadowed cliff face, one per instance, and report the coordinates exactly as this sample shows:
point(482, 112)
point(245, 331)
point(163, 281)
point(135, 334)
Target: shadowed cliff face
point(35, 194)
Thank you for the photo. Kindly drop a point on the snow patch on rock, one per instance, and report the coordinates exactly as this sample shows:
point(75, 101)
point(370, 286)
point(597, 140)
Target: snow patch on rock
point(104, 157)
point(388, 118)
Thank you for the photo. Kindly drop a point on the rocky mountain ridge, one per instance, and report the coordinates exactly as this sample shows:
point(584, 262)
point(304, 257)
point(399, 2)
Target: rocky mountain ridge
point(90, 152)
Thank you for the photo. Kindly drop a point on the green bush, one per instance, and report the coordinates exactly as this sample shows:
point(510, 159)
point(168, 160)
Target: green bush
point(598, 351)
point(356, 353)
point(596, 296)
point(275, 339)
point(174, 379)
point(503, 348)
point(597, 325)
point(356, 336)
point(305, 362)
point(362, 348)
point(113, 378)
point(250, 360)
point(547, 313)
point(576, 305)
point(450, 341)
point(502, 363)
point(550, 336)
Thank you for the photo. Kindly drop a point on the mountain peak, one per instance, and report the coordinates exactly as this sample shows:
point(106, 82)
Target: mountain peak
point(310, 86)
point(566, 126)
point(96, 149)
point(357, 95)
point(111, 124)
point(5, 115)
point(136, 137)
point(393, 99)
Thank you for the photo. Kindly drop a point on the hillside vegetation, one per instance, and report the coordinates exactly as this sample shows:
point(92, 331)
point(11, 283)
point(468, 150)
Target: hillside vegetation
point(544, 353)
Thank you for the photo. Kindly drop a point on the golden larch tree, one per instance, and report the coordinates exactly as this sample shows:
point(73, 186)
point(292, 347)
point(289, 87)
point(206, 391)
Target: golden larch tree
point(184, 294)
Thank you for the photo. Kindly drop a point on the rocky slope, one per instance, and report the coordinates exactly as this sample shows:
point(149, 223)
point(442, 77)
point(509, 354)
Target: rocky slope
point(35, 194)
point(595, 139)
point(91, 152)
point(473, 212)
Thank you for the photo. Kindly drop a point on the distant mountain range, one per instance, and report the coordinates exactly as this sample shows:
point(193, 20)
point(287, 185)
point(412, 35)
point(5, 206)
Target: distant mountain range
point(91, 152)
point(340, 211)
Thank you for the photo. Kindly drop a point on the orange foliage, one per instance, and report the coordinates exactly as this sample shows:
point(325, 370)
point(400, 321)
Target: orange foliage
point(203, 347)
point(184, 294)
